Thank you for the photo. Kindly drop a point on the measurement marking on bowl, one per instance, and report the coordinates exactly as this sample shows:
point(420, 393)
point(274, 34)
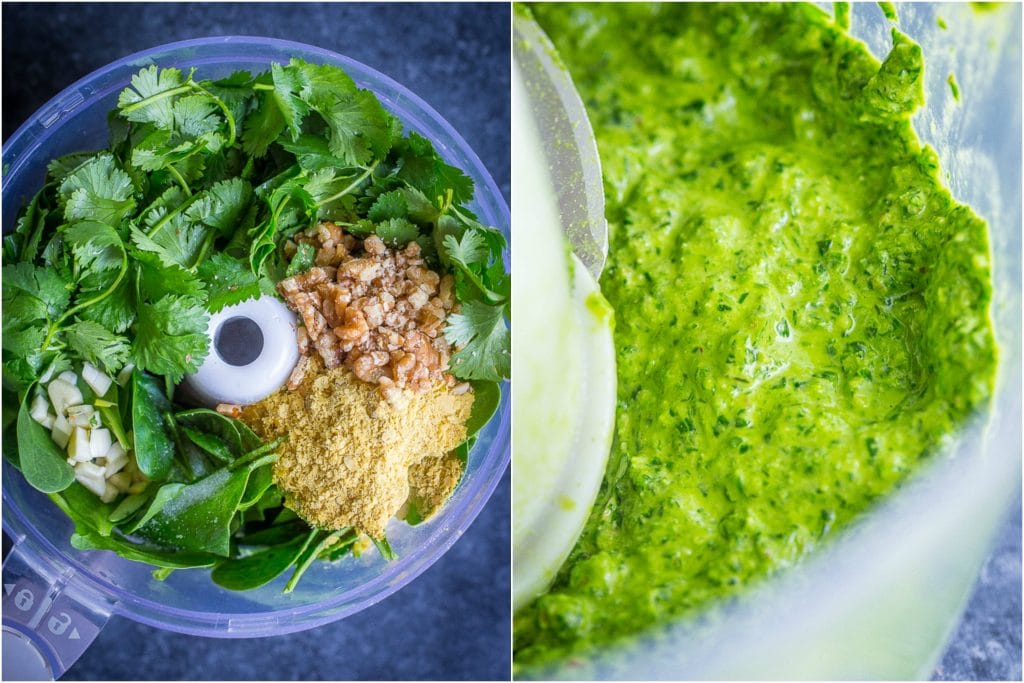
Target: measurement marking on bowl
point(54, 114)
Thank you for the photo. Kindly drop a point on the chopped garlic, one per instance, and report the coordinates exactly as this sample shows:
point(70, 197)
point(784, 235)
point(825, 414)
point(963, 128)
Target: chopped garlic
point(99, 382)
point(116, 460)
point(80, 416)
point(99, 442)
point(61, 430)
point(63, 394)
point(87, 469)
point(109, 494)
point(78, 446)
point(125, 374)
point(40, 409)
point(94, 484)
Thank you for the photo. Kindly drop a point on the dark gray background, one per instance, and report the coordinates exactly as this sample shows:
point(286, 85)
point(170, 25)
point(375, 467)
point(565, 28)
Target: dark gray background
point(453, 622)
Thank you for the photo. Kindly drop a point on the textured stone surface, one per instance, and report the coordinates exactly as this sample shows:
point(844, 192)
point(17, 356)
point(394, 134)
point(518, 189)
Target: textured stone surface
point(453, 622)
point(987, 643)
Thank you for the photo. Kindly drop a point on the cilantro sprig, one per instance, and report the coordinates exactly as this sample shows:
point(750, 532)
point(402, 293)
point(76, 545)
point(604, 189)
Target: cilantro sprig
point(124, 253)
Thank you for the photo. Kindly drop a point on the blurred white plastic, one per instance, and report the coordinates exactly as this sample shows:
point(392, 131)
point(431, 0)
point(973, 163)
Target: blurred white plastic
point(883, 598)
point(564, 388)
point(218, 381)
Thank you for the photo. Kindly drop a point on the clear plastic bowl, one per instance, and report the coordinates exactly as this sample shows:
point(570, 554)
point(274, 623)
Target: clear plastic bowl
point(87, 587)
point(882, 599)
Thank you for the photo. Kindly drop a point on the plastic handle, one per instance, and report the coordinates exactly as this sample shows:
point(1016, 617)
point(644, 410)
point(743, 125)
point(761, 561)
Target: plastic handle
point(45, 628)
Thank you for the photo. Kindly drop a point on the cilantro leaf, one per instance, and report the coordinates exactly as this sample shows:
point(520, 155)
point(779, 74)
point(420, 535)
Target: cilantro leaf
point(157, 279)
point(23, 341)
point(262, 126)
point(98, 345)
point(61, 167)
point(28, 232)
point(148, 100)
point(169, 199)
point(222, 205)
point(42, 293)
point(424, 170)
point(288, 81)
point(389, 205)
point(397, 232)
point(312, 152)
point(229, 281)
point(471, 257)
point(480, 334)
point(322, 80)
point(196, 116)
point(116, 311)
point(170, 336)
point(98, 191)
point(358, 126)
point(96, 246)
point(421, 209)
point(178, 242)
point(471, 249)
point(235, 92)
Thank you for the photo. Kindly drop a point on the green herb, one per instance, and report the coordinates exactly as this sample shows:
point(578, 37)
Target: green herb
point(151, 437)
point(262, 567)
point(124, 253)
point(41, 461)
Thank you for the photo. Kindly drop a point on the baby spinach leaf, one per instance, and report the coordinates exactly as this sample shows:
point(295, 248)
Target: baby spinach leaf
point(154, 447)
point(261, 479)
point(85, 509)
point(42, 462)
point(274, 535)
point(89, 539)
point(209, 443)
point(158, 502)
point(262, 567)
point(236, 434)
point(128, 507)
point(198, 518)
point(486, 397)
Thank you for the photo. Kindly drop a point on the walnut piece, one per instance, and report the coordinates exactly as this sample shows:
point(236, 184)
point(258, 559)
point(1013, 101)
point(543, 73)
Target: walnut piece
point(378, 311)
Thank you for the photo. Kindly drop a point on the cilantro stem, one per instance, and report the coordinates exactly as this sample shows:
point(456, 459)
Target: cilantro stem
point(145, 102)
point(351, 186)
point(224, 108)
point(207, 243)
point(310, 555)
point(89, 302)
point(181, 181)
point(262, 86)
point(171, 214)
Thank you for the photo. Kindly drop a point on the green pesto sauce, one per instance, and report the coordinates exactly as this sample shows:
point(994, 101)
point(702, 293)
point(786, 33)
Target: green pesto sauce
point(954, 89)
point(801, 307)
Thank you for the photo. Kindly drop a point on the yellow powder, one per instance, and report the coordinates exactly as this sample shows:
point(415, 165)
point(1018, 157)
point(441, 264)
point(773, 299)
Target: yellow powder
point(350, 454)
point(431, 481)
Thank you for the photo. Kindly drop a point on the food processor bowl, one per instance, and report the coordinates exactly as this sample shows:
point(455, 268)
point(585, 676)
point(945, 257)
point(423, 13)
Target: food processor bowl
point(56, 598)
point(882, 598)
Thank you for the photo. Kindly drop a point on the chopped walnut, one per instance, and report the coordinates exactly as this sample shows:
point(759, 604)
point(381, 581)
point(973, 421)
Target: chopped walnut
point(378, 311)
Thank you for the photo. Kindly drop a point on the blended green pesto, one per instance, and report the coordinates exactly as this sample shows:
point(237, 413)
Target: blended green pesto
point(802, 309)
